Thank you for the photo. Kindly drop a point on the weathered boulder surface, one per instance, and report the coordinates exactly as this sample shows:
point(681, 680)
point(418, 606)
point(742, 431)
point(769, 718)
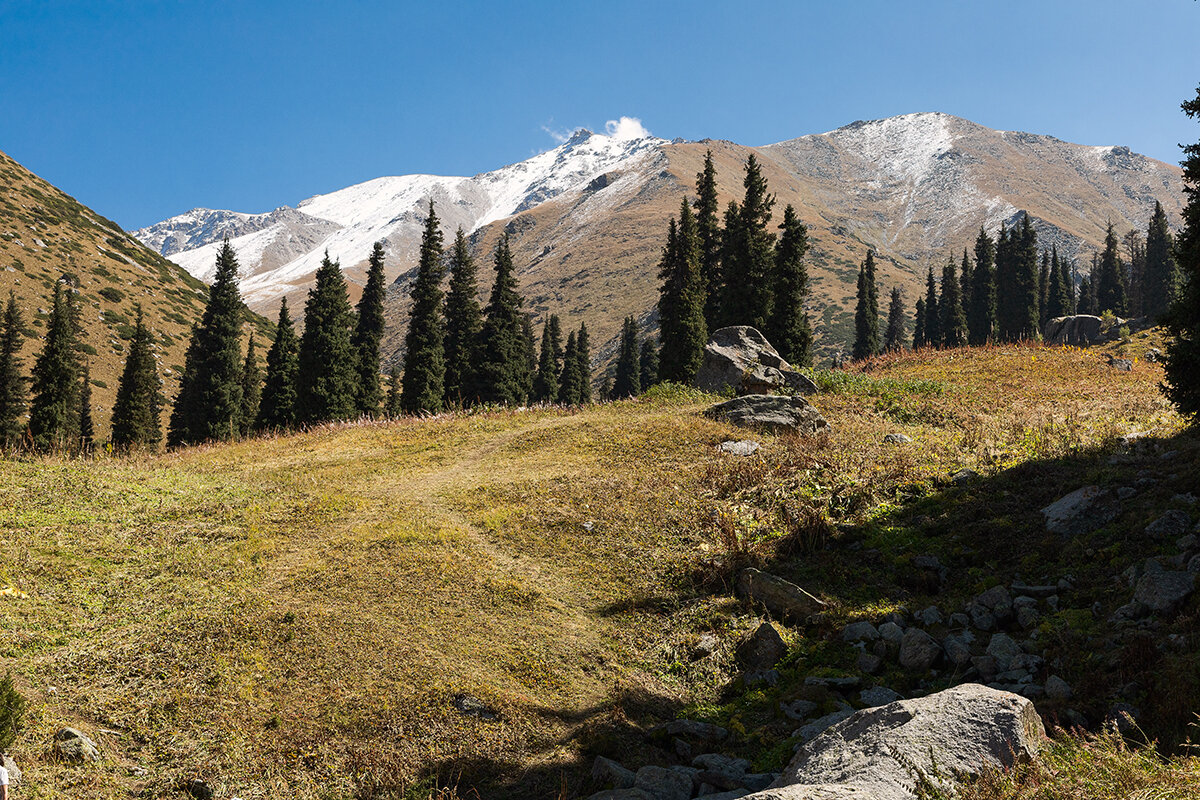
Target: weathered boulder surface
point(762, 648)
point(741, 358)
point(1081, 329)
point(863, 757)
point(772, 412)
point(72, 744)
point(782, 598)
point(1082, 511)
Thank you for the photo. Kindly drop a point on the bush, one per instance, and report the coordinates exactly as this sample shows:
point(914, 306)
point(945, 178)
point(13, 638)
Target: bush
point(12, 713)
point(112, 294)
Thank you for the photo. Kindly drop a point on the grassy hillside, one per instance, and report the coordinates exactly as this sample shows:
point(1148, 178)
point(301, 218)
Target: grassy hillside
point(45, 236)
point(491, 600)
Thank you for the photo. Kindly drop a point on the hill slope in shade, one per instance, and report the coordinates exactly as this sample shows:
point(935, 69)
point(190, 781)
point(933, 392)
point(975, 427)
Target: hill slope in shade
point(588, 218)
point(45, 235)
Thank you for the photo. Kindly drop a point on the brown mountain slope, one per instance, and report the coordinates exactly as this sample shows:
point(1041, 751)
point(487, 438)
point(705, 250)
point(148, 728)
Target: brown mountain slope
point(45, 236)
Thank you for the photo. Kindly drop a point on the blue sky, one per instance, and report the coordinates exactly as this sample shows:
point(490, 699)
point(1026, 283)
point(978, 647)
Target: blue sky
point(145, 109)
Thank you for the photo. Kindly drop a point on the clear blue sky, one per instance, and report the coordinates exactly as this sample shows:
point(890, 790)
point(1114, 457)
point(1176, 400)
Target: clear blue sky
point(146, 109)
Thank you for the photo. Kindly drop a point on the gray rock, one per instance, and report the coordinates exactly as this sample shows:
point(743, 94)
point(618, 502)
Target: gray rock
point(705, 646)
point(869, 756)
point(959, 620)
point(771, 412)
point(957, 651)
point(981, 617)
point(930, 616)
point(1187, 542)
point(1005, 650)
point(732, 794)
point(741, 358)
point(71, 744)
point(622, 794)
point(1164, 591)
point(762, 648)
point(1023, 601)
point(963, 477)
point(1193, 565)
point(1126, 492)
point(757, 781)
point(743, 448)
point(1125, 717)
point(1171, 524)
point(198, 789)
point(891, 632)
point(1121, 364)
point(14, 772)
point(761, 677)
point(997, 600)
point(798, 710)
point(471, 706)
point(929, 575)
point(607, 771)
point(818, 725)
point(722, 764)
point(860, 632)
point(896, 438)
point(841, 683)
point(1057, 688)
point(1027, 617)
point(868, 662)
point(878, 696)
point(781, 597)
point(1033, 591)
point(918, 650)
point(1080, 329)
point(692, 729)
point(663, 783)
point(1082, 511)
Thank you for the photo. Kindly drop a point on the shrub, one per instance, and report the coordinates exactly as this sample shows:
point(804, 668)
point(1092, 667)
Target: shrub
point(12, 712)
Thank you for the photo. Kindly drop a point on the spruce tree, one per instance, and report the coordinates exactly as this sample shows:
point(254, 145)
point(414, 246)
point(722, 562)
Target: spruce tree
point(1162, 279)
point(1006, 284)
point(251, 391)
point(920, 334)
point(966, 278)
point(788, 328)
point(1017, 287)
point(1043, 289)
point(628, 379)
point(1087, 297)
point(730, 234)
point(545, 385)
point(866, 311)
point(556, 343)
point(708, 234)
point(952, 322)
point(464, 321)
point(277, 405)
point(137, 412)
point(326, 368)
point(1110, 289)
point(1027, 273)
point(87, 429)
point(368, 333)
point(424, 345)
point(1136, 272)
point(1067, 267)
point(583, 355)
point(681, 301)
point(54, 410)
point(392, 407)
point(503, 368)
point(981, 310)
point(933, 312)
point(12, 381)
point(648, 364)
point(1057, 303)
point(210, 391)
point(894, 339)
point(1182, 385)
point(571, 389)
point(531, 355)
point(750, 255)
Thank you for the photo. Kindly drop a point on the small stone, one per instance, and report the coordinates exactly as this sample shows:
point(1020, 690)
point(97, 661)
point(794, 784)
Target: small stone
point(1027, 617)
point(981, 617)
point(798, 710)
point(71, 744)
point(985, 666)
point(891, 632)
point(663, 783)
point(706, 645)
point(860, 632)
point(840, 683)
point(964, 476)
point(1057, 688)
point(1052, 602)
point(683, 749)
point(745, 447)
point(1187, 542)
point(1121, 364)
point(869, 662)
point(896, 438)
point(1171, 524)
point(721, 764)
point(1124, 716)
point(761, 649)
point(692, 729)
point(957, 651)
point(761, 677)
point(918, 650)
point(1024, 601)
point(1193, 565)
point(878, 696)
point(14, 772)
point(1126, 492)
point(1082, 511)
point(930, 616)
point(1164, 591)
point(1005, 650)
point(959, 620)
point(471, 706)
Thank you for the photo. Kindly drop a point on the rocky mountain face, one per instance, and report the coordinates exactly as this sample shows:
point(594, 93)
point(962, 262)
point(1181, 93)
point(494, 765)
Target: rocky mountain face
point(587, 219)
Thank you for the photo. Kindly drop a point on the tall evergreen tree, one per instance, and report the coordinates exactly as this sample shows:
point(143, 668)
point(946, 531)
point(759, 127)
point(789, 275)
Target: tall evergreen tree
point(628, 380)
point(1043, 288)
point(545, 385)
point(583, 355)
point(1067, 266)
point(368, 333)
point(708, 235)
point(788, 327)
point(504, 368)
point(325, 376)
point(933, 312)
point(681, 301)
point(556, 343)
point(966, 278)
point(12, 381)
point(251, 391)
point(866, 311)
point(1110, 288)
point(894, 340)
point(981, 310)
point(87, 428)
point(1057, 302)
point(952, 321)
point(648, 364)
point(54, 411)
point(1182, 383)
point(424, 344)
point(571, 389)
point(749, 254)
point(1087, 296)
point(392, 407)
point(210, 390)
point(464, 321)
point(137, 412)
point(277, 406)
point(920, 331)
point(531, 355)
point(1162, 278)
point(1017, 288)
point(1135, 272)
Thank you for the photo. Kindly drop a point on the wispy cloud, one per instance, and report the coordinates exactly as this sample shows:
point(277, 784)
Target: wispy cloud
point(626, 128)
point(559, 135)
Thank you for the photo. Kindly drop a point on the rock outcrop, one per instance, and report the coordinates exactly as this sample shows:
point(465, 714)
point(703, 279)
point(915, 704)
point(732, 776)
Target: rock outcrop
point(771, 412)
point(782, 598)
point(741, 358)
point(1081, 329)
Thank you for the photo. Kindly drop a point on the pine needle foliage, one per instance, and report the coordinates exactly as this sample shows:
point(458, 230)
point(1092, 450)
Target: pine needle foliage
point(12, 379)
point(277, 406)
point(866, 311)
point(464, 321)
point(325, 389)
point(137, 412)
point(894, 337)
point(708, 234)
point(648, 363)
point(1162, 271)
point(368, 333)
point(681, 301)
point(952, 322)
point(87, 427)
point(503, 368)
point(788, 328)
point(424, 345)
point(628, 379)
point(1182, 383)
point(545, 385)
point(749, 253)
point(54, 410)
point(251, 391)
point(981, 308)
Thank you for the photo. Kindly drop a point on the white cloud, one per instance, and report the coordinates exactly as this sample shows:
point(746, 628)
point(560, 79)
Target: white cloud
point(626, 128)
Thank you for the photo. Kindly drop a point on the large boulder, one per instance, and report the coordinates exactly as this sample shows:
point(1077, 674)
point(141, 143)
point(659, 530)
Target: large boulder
point(1081, 329)
point(1082, 511)
point(771, 412)
point(782, 598)
point(741, 358)
point(870, 755)
point(72, 744)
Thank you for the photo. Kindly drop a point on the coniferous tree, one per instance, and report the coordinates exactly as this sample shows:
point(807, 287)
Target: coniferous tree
point(545, 385)
point(277, 405)
point(920, 333)
point(210, 390)
point(1087, 297)
point(1182, 385)
point(583, 355)
point(981, 310)
point(137, 412)
point(788, 328)
point(571, 389)
point(648, 364)
point(424, 345)
point(251, 391)
point(54, 410)
point(952, 322)
point(1109, 285)
point(933, 312)
point(894, 340)
point(12, 381)
point(87, 429)
point(1017, 287)
point(464, 321)
point(1057, 303)
point(368, 333)
point(1067, 267)
point(556, 343)
point(504, 367)
point(708, 235)
point(1162, 279)
point(750, 255)
point(1135, 273)
point(531, 355)
point(628, 379)
point(966, 278)
point(325, 390)
point(392, 406)
point(681, 301)
point(1043, 289)
point(866, 311)
point(1027, 284)
point(730, 229)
